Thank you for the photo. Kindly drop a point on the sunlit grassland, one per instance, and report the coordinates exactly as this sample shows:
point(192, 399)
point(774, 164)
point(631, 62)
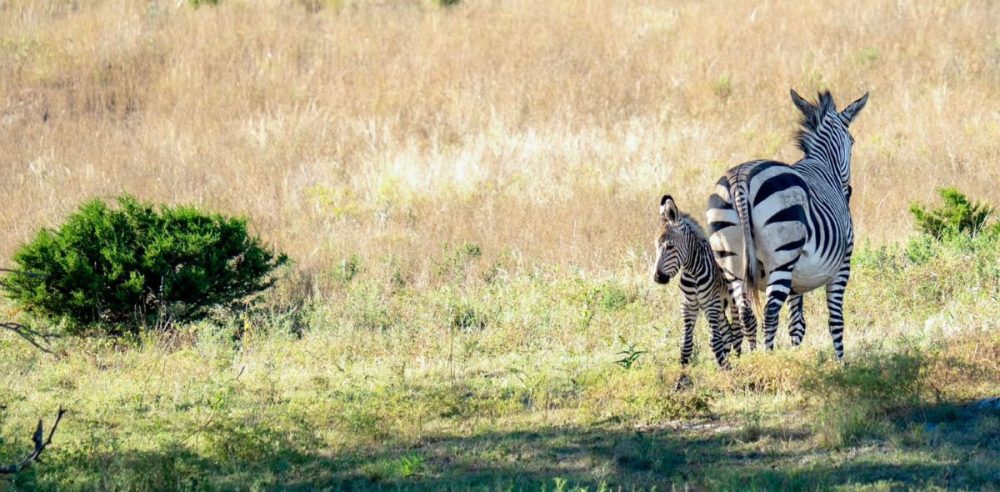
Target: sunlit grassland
point(469, 197)
point(513, 381)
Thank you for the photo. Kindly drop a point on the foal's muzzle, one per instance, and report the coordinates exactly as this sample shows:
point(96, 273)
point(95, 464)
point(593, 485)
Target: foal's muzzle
point(660, 278)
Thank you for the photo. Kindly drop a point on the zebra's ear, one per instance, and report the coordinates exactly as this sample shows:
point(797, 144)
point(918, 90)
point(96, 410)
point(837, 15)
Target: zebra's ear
point(807, 109)
point(668, 209)
point(853, 109)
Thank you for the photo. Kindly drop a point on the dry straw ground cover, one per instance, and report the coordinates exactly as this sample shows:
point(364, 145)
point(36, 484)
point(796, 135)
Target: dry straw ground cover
point(468, 194)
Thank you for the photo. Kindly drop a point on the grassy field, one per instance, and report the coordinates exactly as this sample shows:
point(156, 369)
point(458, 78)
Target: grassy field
point(469, 197)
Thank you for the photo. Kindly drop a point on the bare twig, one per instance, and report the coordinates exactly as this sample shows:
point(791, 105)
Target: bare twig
point(29, 335)
point(40, 446)
point(30, 274)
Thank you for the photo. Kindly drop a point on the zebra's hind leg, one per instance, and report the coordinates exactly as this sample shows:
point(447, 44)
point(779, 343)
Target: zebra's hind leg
point(779, 284)
point(797, 327)
point(835, 304)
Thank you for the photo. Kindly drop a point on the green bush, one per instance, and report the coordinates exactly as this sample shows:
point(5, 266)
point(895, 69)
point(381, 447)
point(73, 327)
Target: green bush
point(958, 216)
point(120, 268)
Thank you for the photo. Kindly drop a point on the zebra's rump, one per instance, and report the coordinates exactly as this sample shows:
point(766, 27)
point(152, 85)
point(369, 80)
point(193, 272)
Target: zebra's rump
point(776, 204)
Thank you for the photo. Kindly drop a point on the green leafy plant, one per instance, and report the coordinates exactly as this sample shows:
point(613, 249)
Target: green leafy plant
point(455, 261)
point(630, 355)
point(723, 87)
point(348, 269)
point(958, 216)
point(121, 268)
point(199, 3)
point(465, 316)
point(411, 465)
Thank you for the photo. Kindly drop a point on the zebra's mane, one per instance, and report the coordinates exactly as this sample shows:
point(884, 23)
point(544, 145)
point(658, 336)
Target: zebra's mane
point(810, 122)
point(692, 225)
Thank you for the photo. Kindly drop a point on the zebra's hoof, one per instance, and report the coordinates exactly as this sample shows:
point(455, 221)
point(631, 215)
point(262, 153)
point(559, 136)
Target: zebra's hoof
point(683, 383)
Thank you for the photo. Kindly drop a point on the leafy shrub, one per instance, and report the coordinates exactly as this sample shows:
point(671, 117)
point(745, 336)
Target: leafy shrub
point(615, 297)
point(454, 262)
point(348, 269)
point(465, 316)
point(123, 267)
point(958, 216)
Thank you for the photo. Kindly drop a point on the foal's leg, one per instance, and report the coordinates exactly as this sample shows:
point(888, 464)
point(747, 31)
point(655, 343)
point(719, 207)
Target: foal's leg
point(720, 330)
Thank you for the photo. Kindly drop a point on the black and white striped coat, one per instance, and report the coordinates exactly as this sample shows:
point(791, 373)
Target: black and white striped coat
point(789, 227)
point(681, 246)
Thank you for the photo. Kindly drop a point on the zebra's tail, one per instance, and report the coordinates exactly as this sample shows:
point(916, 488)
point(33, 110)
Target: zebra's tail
point(740, 191)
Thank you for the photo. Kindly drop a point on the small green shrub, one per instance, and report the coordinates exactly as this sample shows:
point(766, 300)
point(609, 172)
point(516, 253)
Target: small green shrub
point(958, 216)
point(454, 262)
point(921, 249)
point(121, 268)
point(723, 87)
point(348, 269)
point(465, 316)
point(615, 297)
point(411, 465)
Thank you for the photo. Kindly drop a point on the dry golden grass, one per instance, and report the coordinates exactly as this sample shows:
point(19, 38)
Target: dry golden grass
point(542, 130)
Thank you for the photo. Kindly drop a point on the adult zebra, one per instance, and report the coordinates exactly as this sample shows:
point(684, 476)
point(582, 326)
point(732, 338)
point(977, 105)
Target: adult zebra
point(791, 225)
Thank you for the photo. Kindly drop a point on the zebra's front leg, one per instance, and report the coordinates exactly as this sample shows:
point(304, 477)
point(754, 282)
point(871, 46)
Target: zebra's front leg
point(835, 304)
point(720, 331)
point(779, 284)
point(797, 327)
point(689, 312)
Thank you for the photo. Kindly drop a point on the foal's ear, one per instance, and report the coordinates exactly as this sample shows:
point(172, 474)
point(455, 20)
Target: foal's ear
point(668, 209)
point(853, 109)
point(805, 107)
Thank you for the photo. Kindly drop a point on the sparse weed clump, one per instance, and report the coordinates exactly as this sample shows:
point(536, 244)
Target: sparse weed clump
point(119, 269)
point(764, 372)
point(856, 401)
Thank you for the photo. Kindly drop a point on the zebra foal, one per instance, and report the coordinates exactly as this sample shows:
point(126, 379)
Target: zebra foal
point(681, 246)
point(789, 226)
